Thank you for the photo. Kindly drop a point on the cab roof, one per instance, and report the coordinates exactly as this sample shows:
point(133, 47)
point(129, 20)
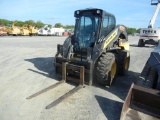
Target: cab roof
point(95, 11)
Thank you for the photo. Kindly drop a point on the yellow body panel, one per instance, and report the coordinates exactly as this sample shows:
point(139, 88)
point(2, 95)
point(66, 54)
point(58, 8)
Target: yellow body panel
point(24, 32)
point(111, 37)
point(14, 31)
point(33, 30)
point(125, 45)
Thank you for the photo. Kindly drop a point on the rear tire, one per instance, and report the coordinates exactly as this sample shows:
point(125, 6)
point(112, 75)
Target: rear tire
point(123, 62)
point(106, 69)
point(141, 43)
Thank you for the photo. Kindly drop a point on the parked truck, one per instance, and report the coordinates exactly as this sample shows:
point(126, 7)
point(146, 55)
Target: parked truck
point(150, 35)
point(56, 31)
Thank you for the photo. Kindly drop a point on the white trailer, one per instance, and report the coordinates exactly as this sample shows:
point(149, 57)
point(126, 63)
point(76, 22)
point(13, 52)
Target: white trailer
point(43, 31)
point(150, 35)
point(56, 31)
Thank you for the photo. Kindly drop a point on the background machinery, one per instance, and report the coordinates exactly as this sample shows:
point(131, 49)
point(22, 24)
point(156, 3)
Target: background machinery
point(32, 30)
point(98, 50)
point(24, 30)
point(43, 31)
point(150, 35)
point(3, 30)
point(14, 30)
point(56, 31)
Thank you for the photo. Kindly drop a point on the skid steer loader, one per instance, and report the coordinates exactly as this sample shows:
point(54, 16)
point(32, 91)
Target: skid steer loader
point(98, 50)
point(98, 45)
point(143, 99)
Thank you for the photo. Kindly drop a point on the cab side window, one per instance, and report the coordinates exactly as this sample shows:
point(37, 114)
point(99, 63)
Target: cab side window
point(108, 25)
point(104, 30)
point(111, 24)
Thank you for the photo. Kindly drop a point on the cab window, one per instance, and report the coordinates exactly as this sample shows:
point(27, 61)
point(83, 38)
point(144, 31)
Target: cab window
point(107, 25)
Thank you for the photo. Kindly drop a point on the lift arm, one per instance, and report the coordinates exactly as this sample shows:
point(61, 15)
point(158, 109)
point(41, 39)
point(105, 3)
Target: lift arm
point(154, 2)
point(13, 24)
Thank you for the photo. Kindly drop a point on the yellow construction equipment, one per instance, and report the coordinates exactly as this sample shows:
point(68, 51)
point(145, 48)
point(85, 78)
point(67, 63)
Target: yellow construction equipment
point(32, 30)
point(3, 30)
point(25, 30)
point(14, 30)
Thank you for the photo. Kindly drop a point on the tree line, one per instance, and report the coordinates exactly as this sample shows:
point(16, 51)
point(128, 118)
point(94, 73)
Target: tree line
point(39, 24)
point(132, 30)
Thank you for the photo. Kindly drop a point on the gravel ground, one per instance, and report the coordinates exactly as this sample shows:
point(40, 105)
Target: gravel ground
point(26, 67)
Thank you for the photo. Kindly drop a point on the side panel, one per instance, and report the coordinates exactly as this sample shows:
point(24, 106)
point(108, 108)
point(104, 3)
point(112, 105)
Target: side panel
point(113, 39)
point(150, 33)
point(110, 38)
point(125, 45)
point(110, 42)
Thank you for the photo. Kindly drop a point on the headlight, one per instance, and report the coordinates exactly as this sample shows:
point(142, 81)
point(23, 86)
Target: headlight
point(98, 11)
point(77, 12)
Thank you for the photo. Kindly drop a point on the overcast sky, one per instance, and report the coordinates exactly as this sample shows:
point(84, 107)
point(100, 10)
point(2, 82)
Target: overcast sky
point(131, 13)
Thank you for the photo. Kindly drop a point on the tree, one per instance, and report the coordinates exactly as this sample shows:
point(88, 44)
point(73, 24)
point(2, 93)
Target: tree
point(49, 25)
point(39, 24)
point(138, 30)
point(131, 30)
point(58, 25)
point(29, 22)
point(19, 23)
point(69, 26)
point(4, 22)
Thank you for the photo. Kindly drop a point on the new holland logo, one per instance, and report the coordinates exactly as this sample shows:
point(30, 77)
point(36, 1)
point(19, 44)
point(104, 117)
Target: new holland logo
point(113, 35)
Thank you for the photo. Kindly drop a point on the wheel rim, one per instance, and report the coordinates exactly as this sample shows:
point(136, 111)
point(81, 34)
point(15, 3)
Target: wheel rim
point(113, 70)
point(126, 63)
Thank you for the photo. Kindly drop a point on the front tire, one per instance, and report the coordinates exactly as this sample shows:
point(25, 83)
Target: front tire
point(106, 69)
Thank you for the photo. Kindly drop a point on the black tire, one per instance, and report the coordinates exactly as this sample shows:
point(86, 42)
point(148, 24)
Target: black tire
point(148, 77)
point(106, 69)
point(123, 62)
point(141, 43)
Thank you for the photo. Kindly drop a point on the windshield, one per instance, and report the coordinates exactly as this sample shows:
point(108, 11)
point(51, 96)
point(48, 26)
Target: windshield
point(86, 30)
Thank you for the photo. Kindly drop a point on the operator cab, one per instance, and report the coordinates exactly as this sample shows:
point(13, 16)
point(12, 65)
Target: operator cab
point(92, 25)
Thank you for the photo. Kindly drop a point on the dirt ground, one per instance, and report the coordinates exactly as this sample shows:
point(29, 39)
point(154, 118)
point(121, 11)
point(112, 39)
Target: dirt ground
point(26, 67)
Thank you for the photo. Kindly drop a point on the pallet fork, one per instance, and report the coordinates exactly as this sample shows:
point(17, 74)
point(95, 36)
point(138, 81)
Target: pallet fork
point(65, 66)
